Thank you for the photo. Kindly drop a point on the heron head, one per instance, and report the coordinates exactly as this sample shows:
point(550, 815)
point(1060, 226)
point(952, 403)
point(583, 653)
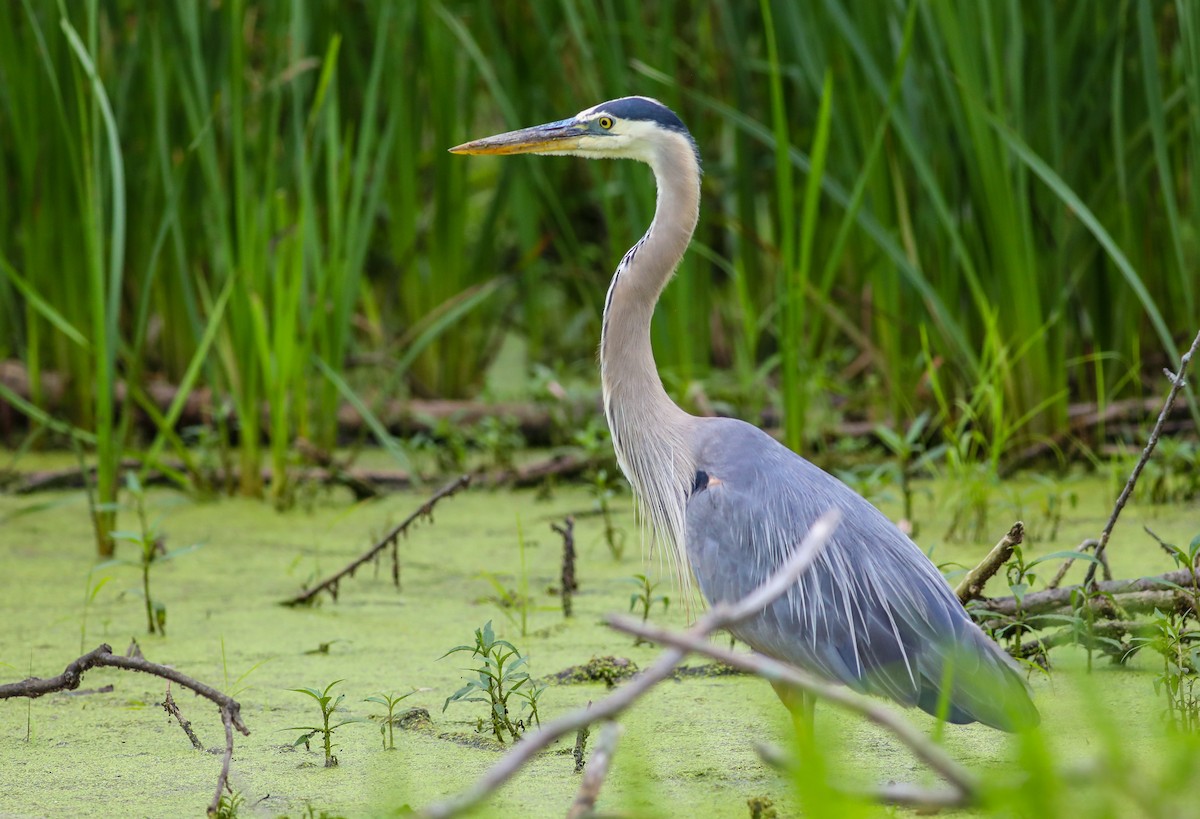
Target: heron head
point(629, 128)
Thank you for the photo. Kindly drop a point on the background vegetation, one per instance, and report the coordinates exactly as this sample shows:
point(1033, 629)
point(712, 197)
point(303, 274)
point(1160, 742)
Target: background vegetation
point(986, 211)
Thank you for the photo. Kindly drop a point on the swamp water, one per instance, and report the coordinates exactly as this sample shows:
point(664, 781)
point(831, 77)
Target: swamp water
point(687, 749)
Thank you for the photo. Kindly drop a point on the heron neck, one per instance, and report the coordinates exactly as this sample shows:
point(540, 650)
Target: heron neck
point(649, 431)
point(628, 372)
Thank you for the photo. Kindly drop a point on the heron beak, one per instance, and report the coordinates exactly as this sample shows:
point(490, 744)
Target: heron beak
point(553, 137)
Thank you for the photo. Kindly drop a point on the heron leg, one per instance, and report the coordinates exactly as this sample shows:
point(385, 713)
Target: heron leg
point(801, 705)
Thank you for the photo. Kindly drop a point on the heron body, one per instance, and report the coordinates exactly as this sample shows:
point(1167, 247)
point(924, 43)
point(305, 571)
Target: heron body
point(730, 502)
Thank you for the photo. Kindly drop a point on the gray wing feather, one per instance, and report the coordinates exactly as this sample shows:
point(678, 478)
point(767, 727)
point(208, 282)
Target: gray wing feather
point(872, 613)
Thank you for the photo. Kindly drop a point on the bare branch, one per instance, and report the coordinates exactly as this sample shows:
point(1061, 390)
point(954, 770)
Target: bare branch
point(102, 657)
point(972, 585)
point(873, 710)
point(1177, 383)
point(223, 777)
point(596, 770)
point(719, 617)
point(330, 584)
point(1051, 600)
point(171, 708)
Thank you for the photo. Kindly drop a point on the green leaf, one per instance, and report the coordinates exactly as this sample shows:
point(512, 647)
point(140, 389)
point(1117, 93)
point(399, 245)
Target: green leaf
point(1065, 555)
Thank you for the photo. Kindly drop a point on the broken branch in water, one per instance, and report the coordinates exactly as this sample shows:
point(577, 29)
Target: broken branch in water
point(392, 538)
point(102, 657)
point(972, 585)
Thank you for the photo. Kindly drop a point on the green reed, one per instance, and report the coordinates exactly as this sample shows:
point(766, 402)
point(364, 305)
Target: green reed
point(993, 173)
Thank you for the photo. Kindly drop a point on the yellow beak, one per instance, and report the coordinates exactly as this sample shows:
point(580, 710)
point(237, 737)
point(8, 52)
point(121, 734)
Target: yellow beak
point(553, 137)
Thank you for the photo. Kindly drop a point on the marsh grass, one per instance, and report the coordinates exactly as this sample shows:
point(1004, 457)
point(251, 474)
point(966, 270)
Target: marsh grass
point(254, 193)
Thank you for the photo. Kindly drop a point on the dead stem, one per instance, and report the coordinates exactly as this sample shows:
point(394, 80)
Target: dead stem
point(102, 657)
point(597, 769)
point(330, 584)
point(972, 585)
point(171, 708)
point(569, 584)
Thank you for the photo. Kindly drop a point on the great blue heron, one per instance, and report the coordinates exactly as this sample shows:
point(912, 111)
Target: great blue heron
point(723, 496)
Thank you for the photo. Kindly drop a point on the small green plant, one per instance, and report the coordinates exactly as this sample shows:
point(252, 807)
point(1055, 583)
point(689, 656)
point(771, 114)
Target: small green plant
point(603, 481)
point(1054, 499)
point(90, 590)
point(151, 543)
point(229, 805)
point(388, 726)
point(236, 687)
point(909, 458)
point(1021, 578)
point(328, 705)
point(1179, 647)
point(515, 604)
point(1173, 474)
point(500, 438)
point(645, 598)
point(446, 441)
point(499, 679)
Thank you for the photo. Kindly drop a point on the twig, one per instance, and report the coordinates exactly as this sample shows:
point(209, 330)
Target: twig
point(972, 585)
point(1090, 543)
point(569, 585)
point(719, 617)
point(581, 738)
point(597, 769)
point(392, 538)
point(227, 717)
point(102, 657)
point(171, 708)
point(873, 710)
point(1177, 383)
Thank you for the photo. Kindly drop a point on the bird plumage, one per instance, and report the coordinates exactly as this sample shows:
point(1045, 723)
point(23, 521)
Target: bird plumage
point(728, 502)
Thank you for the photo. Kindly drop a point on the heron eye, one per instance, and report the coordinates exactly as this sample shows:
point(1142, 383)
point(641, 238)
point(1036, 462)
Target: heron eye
point(605, 122)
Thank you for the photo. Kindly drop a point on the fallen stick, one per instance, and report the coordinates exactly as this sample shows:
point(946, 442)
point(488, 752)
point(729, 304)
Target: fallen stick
point(102, 657)
point(717, 618)
point(392, 538)
point(171, 708)
point(972, 585)
point(1049, 600)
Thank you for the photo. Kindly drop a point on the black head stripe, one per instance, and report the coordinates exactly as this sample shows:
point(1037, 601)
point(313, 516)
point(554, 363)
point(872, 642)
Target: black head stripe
point(641, 108)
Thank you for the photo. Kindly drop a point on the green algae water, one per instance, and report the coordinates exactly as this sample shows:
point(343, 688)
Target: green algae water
point(688, 748)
